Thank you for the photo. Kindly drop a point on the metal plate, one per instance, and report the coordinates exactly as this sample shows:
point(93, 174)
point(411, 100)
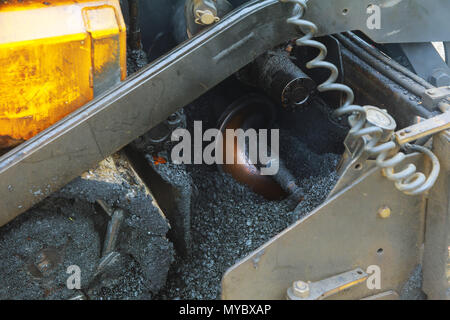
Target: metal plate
point(342, 234)
point(51, 159)
point(436, 256)
point(400, 20)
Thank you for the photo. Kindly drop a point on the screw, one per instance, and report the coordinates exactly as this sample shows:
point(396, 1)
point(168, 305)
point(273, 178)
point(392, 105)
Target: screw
point(384, 212)
point(300, 289)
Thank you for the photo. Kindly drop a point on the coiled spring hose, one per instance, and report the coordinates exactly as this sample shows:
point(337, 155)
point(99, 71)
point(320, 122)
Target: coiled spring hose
point(407, 180)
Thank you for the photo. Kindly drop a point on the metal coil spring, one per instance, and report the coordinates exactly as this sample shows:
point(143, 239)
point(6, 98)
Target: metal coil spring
point(408, 180)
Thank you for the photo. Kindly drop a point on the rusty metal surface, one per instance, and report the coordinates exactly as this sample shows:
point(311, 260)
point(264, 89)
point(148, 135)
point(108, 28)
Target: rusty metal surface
point(344, 233)
point(381, 67)
point(134, 28)
point(427, 63)
point(436, 257)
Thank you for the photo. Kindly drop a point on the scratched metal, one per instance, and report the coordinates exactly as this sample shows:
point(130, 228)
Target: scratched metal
point(47, 162)
point(400, 20)
point(53, 158)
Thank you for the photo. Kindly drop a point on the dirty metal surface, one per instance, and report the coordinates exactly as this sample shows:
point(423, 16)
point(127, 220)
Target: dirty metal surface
point(373, 88)
point(424, 128)
point(48, 161)
point(427, 62)
point(51, 159)
point(436, 264)
point(400, 21)
point(344, 233)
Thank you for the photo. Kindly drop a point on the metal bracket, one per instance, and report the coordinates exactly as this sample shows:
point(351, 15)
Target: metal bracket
point(356, 159)
point(322, 289)
point(437, 98)
point(349, 230)
point(424, 128)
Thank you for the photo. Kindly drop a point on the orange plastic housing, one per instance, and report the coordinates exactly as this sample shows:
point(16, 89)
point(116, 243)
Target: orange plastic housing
point(54, 57)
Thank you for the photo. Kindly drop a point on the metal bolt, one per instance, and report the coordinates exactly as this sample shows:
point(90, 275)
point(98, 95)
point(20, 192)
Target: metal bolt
point(440, 78)
point(384, 212)
point(206, 17)
point(300, 289)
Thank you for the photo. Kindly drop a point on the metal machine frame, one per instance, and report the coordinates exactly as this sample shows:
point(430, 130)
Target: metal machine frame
point(319, 246)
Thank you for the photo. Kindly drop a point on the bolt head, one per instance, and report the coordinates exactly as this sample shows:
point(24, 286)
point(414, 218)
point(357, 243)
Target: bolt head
point(300, 289)
point(440, 78)
point(207, 17)
point(384, 212)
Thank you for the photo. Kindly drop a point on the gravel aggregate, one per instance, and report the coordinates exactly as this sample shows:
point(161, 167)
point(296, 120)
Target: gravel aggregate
point(229, 220)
